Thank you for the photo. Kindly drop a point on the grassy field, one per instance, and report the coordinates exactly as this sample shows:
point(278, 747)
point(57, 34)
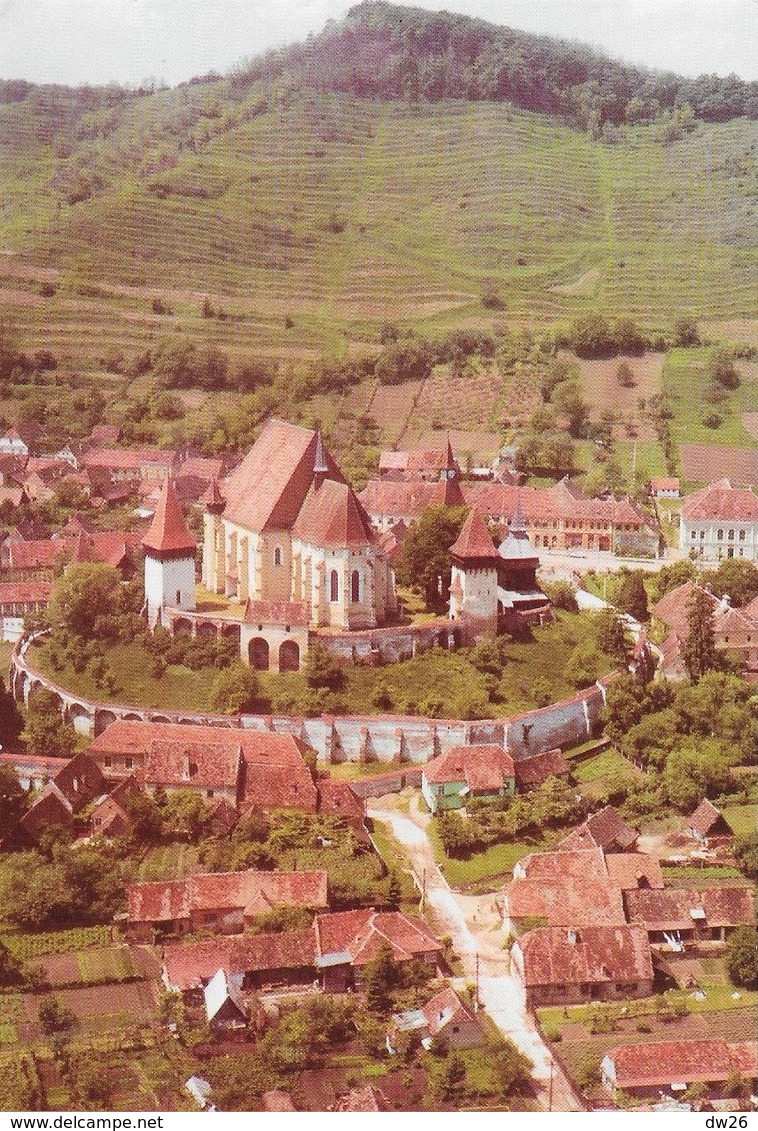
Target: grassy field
point(742, 819)
point(685, 381)
point(168, 862)
point(493, 865)
point(596, 773)
point(445, 684)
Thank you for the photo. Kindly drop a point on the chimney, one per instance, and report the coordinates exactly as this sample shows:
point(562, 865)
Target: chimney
point(572, 936)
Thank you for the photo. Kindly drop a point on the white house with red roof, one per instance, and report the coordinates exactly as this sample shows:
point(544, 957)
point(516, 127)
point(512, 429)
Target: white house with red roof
point(720, 521)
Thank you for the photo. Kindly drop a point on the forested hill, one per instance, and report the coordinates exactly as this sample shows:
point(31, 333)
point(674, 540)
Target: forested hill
point(382, 50)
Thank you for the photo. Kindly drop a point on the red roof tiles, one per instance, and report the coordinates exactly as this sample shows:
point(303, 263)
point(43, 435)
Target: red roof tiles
point(671, 909)
point(721, 502)
point(293, 613)
point(560, 956)
point(168, 531)
point(251, 892)
point(662, 1063)
point(360, 934)
point(474, 542)
point(705, 817)
point(484, 769)
point(535, 769)
point(332, 516)
point(605, 829)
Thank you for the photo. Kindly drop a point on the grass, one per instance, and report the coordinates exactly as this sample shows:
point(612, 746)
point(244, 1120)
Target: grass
point(609, 763)
point(40, 943)
point(495, 862)
point(168, 862)
point(685, 383)
point(113, 964)
point(742, 819)
point(434, 683)
point(718, 999)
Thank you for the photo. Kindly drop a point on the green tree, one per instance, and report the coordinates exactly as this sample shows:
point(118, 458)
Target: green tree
point(11, 968)
point(186, 816)
point(631, 595)
point(45, 731)
point(424, 561)
point(570, 402)
point(746, 854)
point(11, 721)
point(742, 957)
point(381, 977)
point(699, 645)
point(450, 1083)
point(511, 1070)
point(324, 669)
point(673, 575)
point(85, 599)
point(235, 690)
point(685, 331)
point(55, 1017)
point(610, 635)
point(394, 891)
point(583, 665)
point(13, 800)
point(735, 577)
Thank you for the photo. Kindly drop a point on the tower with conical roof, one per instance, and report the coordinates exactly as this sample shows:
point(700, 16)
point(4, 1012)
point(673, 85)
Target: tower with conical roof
point(169, 558)
point(473, 583)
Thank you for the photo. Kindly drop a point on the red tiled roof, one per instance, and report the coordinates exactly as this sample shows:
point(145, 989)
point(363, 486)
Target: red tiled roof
point(203, 765)
point(332, 516)
point(721, 502)
point(662, 1063)
point(662, 483)
point(362, 933)
point(269, 487)
point(443, 1009)
point(212, 496)
point(628, 870)
point(384, 497)
point(125, 459)
point(474, 541)
point(25, 592)
point(582, 903)
point(560, 956)
point(705, 817)
point(295, 613)
point(485, 769)
point(671, 909)
point(200, 467)
point(188, 965)
point(604, 829)
point(252, 892)
point(168, 531)
point(535, 769)
point(336, 799)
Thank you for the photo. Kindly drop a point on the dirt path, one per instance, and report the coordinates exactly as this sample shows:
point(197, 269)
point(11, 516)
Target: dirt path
point(473, 924)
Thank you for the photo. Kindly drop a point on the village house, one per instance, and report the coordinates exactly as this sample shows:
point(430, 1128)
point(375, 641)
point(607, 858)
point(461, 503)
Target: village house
point(483, 773)
point(708, 826)
point(664, 487)
point(720, 521)
point(219, 901)
point(77, 783)
point(19, 600)
point(333, 952)
point(605, 829)
point(110, 816)
point(560, 965)
point(250, 769)
point(735, 630)
point(676, 916)
point(132, 465)
point(556, 517)
point(444, 1017)
point(419, 464)
point(649, 1069)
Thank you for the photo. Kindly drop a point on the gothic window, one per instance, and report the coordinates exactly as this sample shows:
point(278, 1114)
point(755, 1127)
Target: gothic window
point(334, 586)
point(178, 597)
point(355, 587)
point(277, 556)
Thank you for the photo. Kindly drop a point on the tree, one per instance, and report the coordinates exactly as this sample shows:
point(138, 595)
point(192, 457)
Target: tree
point(742, 957)
point(381, 977)
point(624, 376)
point(55, 1017)
point(569, 402)
point(746, 854)
point(451, 1081)
point(11, 968)
point(583, 665)
point(631, 596)
point(685, 331)
point(699, 646)
point(323, 669)
point(394, 891)
point(85, 599)
point(610, 635)
point(186, 816)
point(11, 721)
point(12, 800)
point(735, 577)
point(673, 575)
point(722, 369)
point(235, 690)
point(511, 1070)
point(562, 595)
point(45, 731)
point(424, 561)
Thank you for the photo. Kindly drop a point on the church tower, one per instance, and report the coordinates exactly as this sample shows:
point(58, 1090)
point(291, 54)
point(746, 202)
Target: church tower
point(473, 584)
point(169, 558)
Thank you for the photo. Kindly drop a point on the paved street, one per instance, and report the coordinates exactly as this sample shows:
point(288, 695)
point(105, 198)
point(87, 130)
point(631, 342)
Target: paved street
point(473, 924)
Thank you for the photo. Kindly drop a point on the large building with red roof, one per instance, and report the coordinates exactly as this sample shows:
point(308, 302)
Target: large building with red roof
point(287, 536)
point(720, 521)
point(645, 1069)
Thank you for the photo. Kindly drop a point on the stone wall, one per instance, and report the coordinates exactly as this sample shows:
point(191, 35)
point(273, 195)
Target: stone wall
point(390, 644)
point(354, 738)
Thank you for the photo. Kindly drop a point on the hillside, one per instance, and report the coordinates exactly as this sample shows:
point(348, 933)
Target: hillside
point(309, 208)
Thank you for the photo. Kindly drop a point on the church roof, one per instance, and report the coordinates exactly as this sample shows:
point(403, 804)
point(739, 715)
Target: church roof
point(168, 530)
point(212, 496)
point(332, 516)
point(474, 540)
point(268, 489)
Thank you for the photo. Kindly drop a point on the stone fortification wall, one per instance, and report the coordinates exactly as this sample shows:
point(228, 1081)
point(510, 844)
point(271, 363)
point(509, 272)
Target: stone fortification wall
point(405, 739)
point(388, 645)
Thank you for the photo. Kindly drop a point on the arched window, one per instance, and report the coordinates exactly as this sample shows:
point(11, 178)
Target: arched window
point(730, 535)
point(277, 555)
point(720, 534)
point(355, 587)
point(334, 586)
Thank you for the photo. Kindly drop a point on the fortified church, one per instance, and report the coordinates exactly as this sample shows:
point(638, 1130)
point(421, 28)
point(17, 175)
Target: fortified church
point(287, 541)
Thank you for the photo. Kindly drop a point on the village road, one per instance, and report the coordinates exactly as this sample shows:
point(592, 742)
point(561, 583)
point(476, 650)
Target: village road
point(473, 924)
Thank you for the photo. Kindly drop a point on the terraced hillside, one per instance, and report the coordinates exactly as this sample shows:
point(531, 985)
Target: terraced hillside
point(309, 219)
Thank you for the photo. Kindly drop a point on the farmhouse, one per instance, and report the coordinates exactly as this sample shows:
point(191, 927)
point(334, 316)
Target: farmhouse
point(720, 521)
point(250, 769)
point(644, 1069)
point(605, 829)
point(222, 901)
point(558, 965)
point(485, 773)
point(444, 1015)
point(708, 826)
point(679, 915)
point(735, 630)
